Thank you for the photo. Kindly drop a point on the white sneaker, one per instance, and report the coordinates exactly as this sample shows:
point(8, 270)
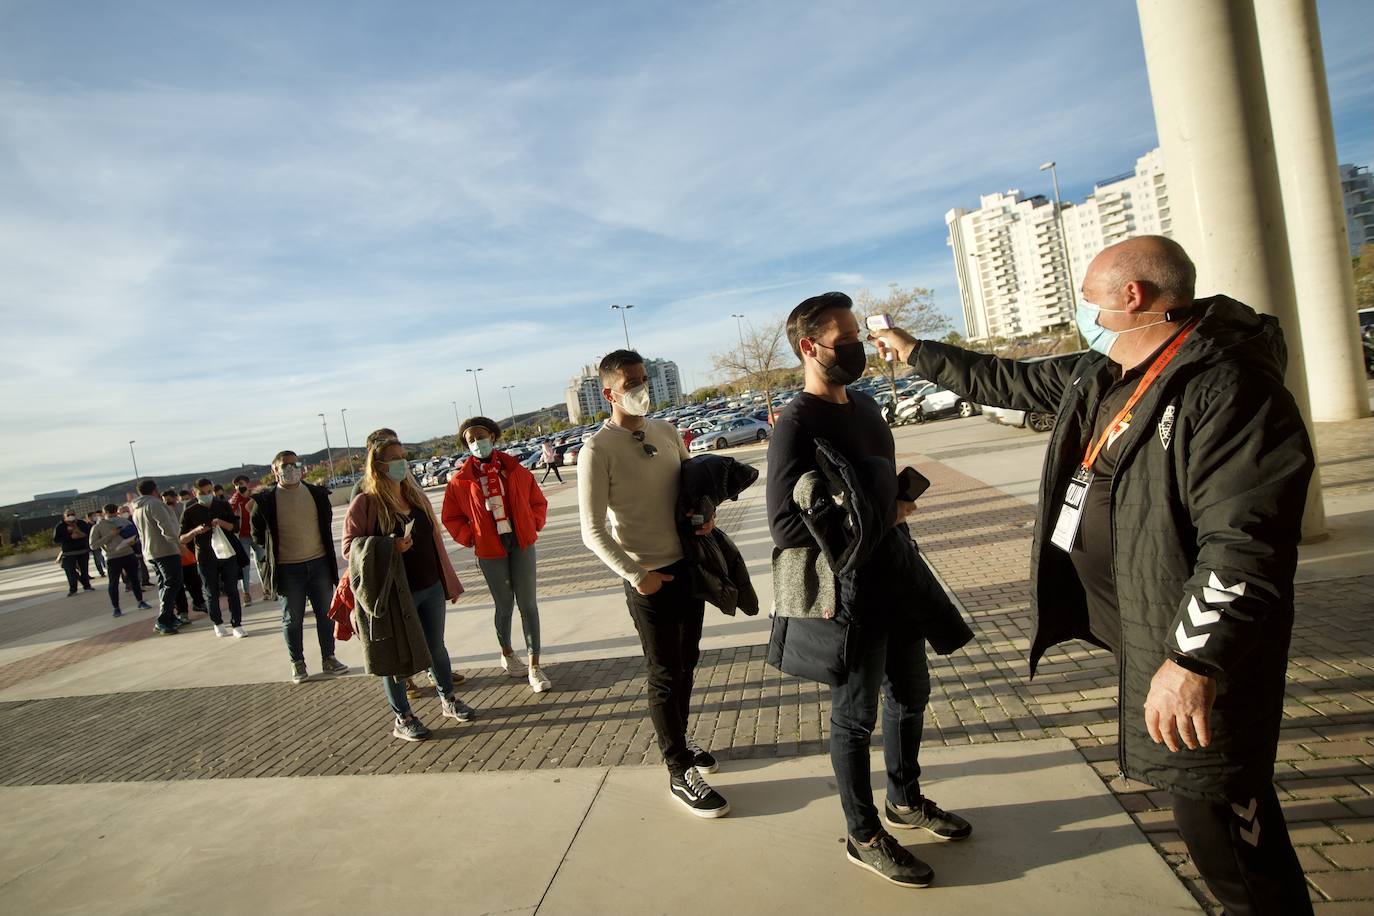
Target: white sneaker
point(240, 632)
point(539, 681)
point(221, 630)
point(513, 665)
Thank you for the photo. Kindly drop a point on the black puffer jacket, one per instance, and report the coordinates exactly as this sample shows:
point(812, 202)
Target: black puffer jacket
point(718, 571)
point(1207, 502)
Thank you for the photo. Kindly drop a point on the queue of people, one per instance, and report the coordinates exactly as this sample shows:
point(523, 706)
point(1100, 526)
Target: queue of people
point(1170, 513)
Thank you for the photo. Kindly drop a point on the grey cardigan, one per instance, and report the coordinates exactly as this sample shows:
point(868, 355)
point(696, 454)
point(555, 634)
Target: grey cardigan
point(384, 616)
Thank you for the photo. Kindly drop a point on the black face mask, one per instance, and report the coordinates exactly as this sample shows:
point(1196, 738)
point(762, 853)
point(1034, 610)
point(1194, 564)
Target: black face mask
point(850, 362)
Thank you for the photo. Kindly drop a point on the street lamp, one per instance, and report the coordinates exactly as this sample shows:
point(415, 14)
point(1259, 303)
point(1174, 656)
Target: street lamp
point(328, 452)
point(1063, 238)
point(624, 322)
point(457, 420)
point(739, 325)
point(477, 388)
point(135, 459)
point(343, 413)
point(508, 390)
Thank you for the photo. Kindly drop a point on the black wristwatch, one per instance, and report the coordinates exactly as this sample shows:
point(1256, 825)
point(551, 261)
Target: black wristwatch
point(1189, 663)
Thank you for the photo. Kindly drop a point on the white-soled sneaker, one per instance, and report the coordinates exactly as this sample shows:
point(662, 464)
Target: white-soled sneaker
point(221, 630)
point(240, 633)
point(539, 681)
point(514, 666)
point(696, 794)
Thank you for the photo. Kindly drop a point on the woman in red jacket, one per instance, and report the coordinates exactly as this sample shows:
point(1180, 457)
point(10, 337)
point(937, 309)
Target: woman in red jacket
point(494, 506)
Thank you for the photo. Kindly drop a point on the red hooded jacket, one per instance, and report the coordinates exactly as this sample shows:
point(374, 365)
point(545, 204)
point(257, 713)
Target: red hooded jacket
point(469, 521)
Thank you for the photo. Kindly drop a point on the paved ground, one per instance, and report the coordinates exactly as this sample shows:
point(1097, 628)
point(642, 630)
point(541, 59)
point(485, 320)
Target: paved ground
point(87, 699)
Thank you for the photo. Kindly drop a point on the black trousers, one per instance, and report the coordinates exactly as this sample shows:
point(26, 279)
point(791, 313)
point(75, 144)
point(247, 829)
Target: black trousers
point(1244, 854)
point(554, 469)
point(193, 588)
point(77, 566)
point(221, 577)
point(669, 627)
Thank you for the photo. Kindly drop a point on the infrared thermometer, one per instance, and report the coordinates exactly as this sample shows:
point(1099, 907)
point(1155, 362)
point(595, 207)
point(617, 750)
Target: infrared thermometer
point(882, 323)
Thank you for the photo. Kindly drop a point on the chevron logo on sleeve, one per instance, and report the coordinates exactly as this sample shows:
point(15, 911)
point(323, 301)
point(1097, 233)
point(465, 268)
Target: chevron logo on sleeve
point(1247, 817)
point(1216, 593)
point(1198, 618)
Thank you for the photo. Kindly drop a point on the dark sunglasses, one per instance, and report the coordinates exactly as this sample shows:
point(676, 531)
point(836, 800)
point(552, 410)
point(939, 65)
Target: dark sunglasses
point(649, 450)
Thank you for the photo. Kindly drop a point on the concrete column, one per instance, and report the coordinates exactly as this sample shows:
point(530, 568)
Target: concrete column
point(1212, 115)
point(1305, 147)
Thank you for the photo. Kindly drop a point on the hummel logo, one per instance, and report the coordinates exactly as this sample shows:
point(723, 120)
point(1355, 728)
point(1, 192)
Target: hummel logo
point(1166, 427)
point(1247, 815)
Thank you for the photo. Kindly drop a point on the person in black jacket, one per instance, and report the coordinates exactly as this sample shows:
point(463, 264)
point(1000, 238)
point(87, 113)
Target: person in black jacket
point(218, 557)
point(888, 648)
point(73, 536)
point(1171, 508)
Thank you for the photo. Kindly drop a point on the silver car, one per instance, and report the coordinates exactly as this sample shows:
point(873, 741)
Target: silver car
point(730, 432)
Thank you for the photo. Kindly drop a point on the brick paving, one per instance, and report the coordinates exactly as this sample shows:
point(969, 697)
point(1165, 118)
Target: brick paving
point(976, 537)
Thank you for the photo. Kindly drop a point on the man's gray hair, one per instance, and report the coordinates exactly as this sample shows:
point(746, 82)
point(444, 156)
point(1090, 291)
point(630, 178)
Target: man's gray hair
point(1159, 263)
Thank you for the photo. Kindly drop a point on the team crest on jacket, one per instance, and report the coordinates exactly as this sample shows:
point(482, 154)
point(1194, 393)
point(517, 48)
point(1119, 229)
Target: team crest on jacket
point(1166, 427)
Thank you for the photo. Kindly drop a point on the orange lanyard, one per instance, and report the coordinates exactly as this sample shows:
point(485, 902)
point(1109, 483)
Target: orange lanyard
point(1151, 374)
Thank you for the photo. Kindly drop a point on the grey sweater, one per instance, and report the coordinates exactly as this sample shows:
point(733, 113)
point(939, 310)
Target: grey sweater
point(158, 527)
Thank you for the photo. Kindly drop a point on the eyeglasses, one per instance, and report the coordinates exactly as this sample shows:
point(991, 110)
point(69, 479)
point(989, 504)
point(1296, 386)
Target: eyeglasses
point(650, 450)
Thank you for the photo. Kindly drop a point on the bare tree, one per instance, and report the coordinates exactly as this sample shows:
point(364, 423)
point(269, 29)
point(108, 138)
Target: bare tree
point(758, 360)
point(913, 310)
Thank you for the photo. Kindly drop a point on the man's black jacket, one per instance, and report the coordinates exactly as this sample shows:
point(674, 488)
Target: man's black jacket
point(1206, 514)
point(719, 574)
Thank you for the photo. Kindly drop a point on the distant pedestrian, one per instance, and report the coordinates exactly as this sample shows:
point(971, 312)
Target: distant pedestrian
point(493, 505)
point(211, 526)
point(550, 459)
point(159, 531)
point(241, 500)
point(394, 509)
point(72, 535)
point(117, 537)
point(293, 522)
point(97, 555)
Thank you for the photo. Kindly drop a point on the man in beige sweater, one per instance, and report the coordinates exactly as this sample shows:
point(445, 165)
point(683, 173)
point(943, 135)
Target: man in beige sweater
point(627, 488)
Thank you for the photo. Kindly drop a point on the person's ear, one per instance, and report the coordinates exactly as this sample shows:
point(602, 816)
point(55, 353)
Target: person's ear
point(606, 393)
point(1138, 298)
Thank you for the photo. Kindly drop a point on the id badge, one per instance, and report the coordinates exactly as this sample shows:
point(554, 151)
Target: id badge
point(1071, 512)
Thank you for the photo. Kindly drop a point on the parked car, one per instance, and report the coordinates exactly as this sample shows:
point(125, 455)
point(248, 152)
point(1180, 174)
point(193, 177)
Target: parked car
point(1035, 420)
point(936, 402)
point(731, 432)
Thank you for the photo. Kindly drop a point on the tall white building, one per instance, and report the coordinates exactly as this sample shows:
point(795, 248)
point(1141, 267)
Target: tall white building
point(583, 394)
point(1009, 253)
point(1357, 190)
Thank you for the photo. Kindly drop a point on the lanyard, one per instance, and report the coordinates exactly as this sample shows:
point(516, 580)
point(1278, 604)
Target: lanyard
point(1151, 374)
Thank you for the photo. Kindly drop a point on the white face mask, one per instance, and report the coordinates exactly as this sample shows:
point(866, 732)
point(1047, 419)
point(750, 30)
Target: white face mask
point(289, 475)
point(635, 402)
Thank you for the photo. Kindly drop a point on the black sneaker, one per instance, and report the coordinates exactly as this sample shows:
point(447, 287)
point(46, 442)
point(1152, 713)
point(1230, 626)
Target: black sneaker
point(116, 613)
point(409, 729)
point(702, 759)
point(889, 860)
point(930, 817)
point(697, 795)
point(164, 631)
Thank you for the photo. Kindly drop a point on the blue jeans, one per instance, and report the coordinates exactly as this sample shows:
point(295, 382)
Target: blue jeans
point(511, 580)
point(893, 658)
point(295, 583)
point(169, 585)
point(221, 576)
point(429, 604)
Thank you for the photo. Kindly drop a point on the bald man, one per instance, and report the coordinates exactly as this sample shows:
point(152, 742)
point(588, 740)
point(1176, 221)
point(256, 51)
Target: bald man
point(1170, 513)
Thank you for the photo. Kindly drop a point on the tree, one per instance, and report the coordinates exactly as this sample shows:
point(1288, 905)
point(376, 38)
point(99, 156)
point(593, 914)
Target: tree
point(758, 359)
point(913, 310)
point(1364, 278)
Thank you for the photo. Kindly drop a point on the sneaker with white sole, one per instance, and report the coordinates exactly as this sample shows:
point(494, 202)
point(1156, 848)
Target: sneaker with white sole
point(332, 665)
point(702, 759)
point(221, 630)
point(887, 859)
point(513, 666)
point(929, 817)
point(240, 633)
point(455, 708)
point(409, 729)
point(696, 794)
point(298, 673)
point(539, 681)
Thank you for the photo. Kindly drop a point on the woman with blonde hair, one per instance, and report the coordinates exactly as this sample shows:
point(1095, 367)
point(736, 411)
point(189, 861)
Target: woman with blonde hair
point(391, 504)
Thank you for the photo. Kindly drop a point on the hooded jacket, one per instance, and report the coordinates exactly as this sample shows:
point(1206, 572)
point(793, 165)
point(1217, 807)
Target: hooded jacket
point(1206, 513)
point(110, 535)
point(719, 574)
point(861, 566)
point(470, 522)
point(158, 528)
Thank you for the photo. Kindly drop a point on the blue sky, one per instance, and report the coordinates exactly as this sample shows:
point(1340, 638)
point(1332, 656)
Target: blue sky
point(219, 220)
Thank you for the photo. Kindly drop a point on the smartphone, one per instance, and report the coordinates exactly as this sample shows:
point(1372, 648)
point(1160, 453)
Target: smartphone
point(911, 483)
point(882, 322)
